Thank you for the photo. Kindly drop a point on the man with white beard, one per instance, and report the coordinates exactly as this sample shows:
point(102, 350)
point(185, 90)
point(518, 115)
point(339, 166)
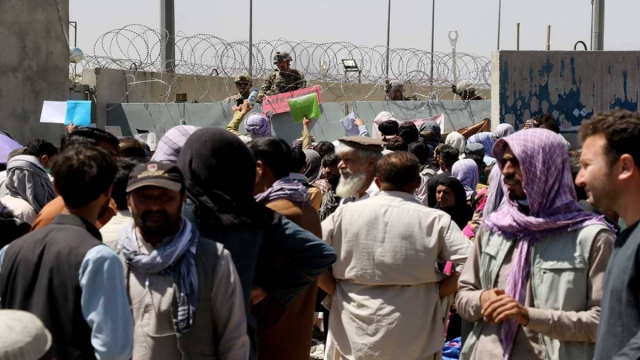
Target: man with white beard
point(359, 156)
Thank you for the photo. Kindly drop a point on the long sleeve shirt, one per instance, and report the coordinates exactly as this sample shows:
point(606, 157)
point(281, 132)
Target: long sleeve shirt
point(151, 301)
point(104, 303)
point(562, 325)
point(387, 303)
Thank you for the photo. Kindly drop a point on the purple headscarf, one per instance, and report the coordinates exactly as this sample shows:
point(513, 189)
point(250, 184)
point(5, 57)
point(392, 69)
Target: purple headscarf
point(286, 188)
point(495, 197)
point(484, 138)
point(257, 125)
point(547, 182)
point(172, 142)
point(466, 171)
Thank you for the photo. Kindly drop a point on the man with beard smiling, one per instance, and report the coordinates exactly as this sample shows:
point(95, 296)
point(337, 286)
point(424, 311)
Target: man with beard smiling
point(358, 158)
point(534, 284)
point(184, 290)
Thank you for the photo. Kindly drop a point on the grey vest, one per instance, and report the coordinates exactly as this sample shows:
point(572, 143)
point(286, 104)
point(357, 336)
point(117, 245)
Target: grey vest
point(559, 280)
point(198, 342)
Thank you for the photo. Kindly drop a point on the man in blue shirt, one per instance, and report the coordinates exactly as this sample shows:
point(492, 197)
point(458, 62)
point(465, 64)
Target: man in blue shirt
point(64, 274)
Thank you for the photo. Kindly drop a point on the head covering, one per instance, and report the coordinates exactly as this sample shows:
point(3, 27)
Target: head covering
point(466, 85)
point(313, 165)
point(553, 207)
point(27, 180)
point(461, 213)
point(288, 189)
point(219, 173)
point(474, 149)
point(159, 174)
point(168, 149)
point(382, 117)
point(363, 143)
point(503, 130)
point(456, 140)
point(466, 170)
point(495, 197)
point(257, 125)
point(396, 86)
point(484, 138)
point(22, 336)
point(430, 133)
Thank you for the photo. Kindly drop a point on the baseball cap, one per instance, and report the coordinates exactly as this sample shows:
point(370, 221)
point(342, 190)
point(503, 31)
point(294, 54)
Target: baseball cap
point(154, 173)
point(22, 336)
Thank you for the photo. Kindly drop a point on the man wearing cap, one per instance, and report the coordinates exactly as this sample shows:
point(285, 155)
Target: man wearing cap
point(184, 290)
point(243, 84)
point(358, 158)
point(284, 78)
point(387, 300)
point(63, 273)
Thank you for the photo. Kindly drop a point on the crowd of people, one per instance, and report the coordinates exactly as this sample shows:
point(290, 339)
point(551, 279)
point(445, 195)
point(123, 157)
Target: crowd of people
point(221, 245)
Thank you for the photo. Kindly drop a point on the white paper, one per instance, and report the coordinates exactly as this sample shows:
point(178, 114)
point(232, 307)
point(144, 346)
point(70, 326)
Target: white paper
point(53, 112)
point(150, 139)
point(114, 130)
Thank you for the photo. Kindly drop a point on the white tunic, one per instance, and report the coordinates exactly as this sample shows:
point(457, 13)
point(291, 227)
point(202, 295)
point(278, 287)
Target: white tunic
point(387, 304)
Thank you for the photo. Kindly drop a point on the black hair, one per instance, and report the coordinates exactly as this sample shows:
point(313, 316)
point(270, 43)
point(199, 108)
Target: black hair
point(478, 160)
point(324, 148)
point(39, 147)
point(397, 144)
point(408, 131)
point(298, 160)
point(274, 153)
point(330, 160)
point(398, 170)
point(91, 135)
point(448, 154)
point(421, 151)
point(82, 173)
point(551, 125)
point(119, 193)
point(388, 128)
point(131, 148)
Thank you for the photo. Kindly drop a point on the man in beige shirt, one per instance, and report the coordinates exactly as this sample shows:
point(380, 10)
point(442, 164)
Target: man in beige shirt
point(387, 300)
point(184, 290)
point(533, 285)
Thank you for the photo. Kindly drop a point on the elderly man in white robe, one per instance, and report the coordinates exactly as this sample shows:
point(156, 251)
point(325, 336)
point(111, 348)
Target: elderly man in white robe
point(358, 159)
point(387, 299)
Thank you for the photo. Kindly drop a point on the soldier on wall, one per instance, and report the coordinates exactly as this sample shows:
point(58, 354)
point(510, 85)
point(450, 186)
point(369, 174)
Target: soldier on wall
point(284, 78)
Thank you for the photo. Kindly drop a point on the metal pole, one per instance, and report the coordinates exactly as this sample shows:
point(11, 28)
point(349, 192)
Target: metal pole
point(591, 40)
point(597, 43)
point(548, 37)
point(433, 34)
point(168, 25)
point(251, 38)
point(518, 38)
point(388, 37)
point(499, 20)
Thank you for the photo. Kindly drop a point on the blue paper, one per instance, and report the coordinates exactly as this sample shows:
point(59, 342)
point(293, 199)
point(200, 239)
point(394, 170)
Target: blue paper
point(78, 113)
point(350, 128)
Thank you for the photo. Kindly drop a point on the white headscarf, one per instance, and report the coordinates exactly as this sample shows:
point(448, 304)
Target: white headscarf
point(457, 141)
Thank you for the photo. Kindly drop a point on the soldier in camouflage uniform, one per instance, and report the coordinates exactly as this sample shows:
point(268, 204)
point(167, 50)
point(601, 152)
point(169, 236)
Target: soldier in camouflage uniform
point(243, 84)
point(284, 79)
point(394, 91)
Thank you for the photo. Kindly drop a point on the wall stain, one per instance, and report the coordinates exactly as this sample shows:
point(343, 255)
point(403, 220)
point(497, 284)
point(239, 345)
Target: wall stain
point(568, 106)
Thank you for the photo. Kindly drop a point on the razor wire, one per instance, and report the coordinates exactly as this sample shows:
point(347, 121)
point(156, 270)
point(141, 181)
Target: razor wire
point(139, 48)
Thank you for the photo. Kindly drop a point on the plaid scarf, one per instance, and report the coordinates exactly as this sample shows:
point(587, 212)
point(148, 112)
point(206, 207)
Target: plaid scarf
point(286, 188)
point(553, 208)
point(177, 259)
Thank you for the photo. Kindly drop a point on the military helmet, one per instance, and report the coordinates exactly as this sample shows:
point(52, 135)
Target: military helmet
point(281, 56)
point(243, 79)
point(397, 85)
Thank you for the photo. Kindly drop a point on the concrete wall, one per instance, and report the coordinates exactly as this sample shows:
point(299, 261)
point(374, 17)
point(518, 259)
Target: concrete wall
point(159, 118)
point(571, 85)
point(34, 64)
point(121, 86)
